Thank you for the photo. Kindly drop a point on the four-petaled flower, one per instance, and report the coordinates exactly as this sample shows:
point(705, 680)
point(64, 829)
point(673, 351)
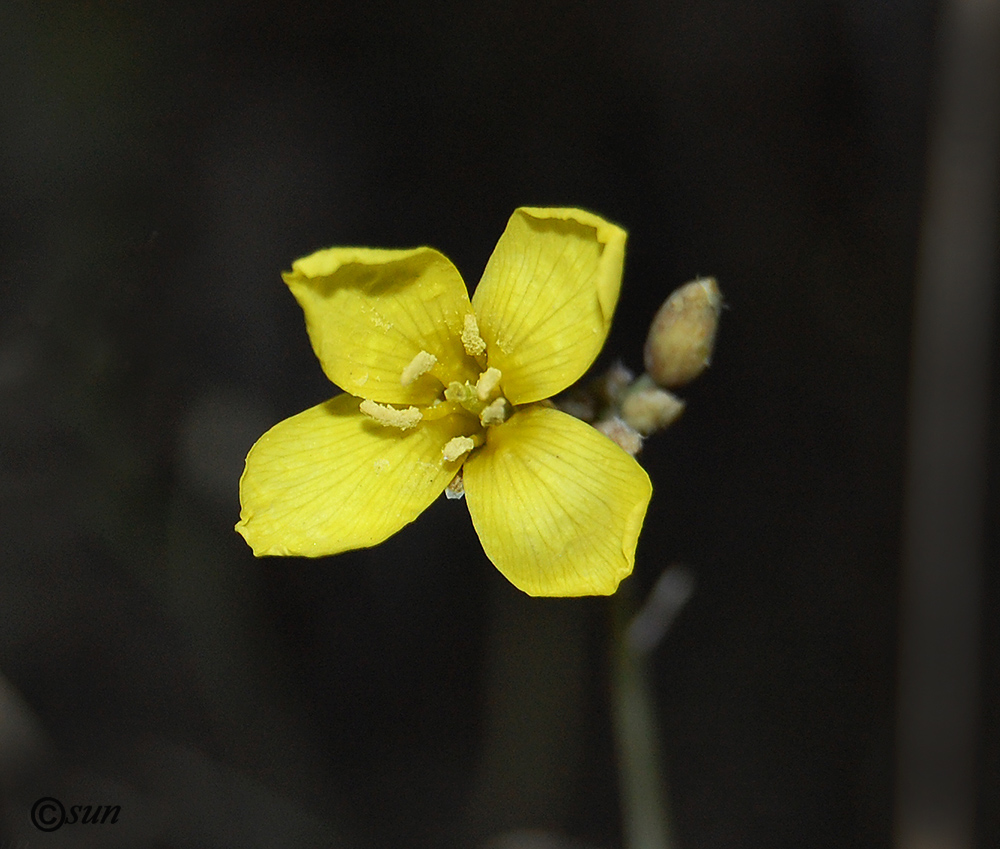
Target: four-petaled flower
point(435, 384)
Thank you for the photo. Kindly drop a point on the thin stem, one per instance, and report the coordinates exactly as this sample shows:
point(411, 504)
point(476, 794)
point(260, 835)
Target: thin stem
point(645, 813)
point(953, 342)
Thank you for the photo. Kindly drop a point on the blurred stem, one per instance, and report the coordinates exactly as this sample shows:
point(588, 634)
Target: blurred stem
point(645, 814)
point(939, 700)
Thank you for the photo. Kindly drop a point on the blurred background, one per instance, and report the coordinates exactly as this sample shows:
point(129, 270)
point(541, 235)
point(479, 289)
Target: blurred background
point(164, 162)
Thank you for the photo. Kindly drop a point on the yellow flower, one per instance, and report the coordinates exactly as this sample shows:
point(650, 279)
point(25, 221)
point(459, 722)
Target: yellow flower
point(435, 384)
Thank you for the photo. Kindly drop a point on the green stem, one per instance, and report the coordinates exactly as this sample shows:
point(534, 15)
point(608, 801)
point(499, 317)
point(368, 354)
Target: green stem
point(645, 813)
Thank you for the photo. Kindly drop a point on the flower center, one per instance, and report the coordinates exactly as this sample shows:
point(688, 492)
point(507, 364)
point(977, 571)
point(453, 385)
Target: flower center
point(482, 399)
point(485, 401)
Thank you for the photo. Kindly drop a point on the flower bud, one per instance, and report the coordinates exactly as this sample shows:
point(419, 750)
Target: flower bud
point(681, 337)
point(622, 433)
point(614, 383)
point(648, 408)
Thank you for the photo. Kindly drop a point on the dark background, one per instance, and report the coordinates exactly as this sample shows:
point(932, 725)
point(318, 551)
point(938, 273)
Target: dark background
point(165, 161)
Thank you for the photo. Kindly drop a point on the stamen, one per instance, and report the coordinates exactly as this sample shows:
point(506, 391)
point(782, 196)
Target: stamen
point(458, 446)
point(496, 413)
point(488, 381)
point(456, 489)
point(390, 416)
point(419, 365)
point(473, 342)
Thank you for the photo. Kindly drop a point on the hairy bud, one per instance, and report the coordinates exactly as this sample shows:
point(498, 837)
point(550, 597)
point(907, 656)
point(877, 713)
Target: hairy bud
point(648, 408)
point(681, 337)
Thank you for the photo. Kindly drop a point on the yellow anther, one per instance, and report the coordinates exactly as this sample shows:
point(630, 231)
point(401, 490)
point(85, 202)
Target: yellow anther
point(458, 446)
point(390, 416)
point(419, 365)
point(473, 342)
point(496, 413)
point(487, 383)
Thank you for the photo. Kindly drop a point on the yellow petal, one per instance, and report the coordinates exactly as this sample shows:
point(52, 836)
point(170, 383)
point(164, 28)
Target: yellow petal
point(370, 313)
point(330, 479)
point(557, 505)
point(547, 297)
